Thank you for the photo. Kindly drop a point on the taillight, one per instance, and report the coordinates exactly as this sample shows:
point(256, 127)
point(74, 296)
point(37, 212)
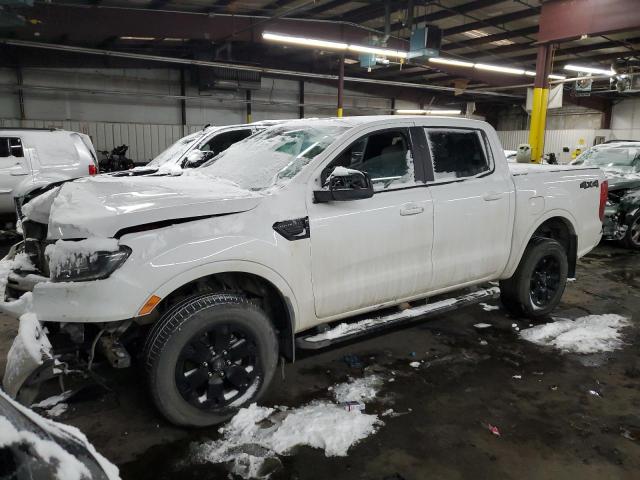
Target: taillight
point(604, 193)
point(93, 170)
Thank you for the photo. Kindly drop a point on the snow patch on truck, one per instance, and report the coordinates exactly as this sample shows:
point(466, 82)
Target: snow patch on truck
point(589, 334)
point(257, 434)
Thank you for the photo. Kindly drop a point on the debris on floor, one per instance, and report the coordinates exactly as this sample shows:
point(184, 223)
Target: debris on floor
point(590, 334)
point(482, 325)
point(414, 364)
point(354, 361)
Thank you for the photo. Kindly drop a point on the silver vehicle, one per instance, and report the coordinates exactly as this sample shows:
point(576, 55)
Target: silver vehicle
point(33, 159)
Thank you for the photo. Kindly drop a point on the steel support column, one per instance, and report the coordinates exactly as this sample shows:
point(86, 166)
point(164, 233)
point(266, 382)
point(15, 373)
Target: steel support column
point(248, 99)
point(341, 86)
point(301, 99)
point(540, 100)
point(20, 92)
point(183, 102)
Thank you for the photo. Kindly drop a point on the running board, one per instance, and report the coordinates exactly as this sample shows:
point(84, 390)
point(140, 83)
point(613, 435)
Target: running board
point(347, 331)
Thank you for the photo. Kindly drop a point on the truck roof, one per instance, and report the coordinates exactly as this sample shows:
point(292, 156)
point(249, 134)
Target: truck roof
point(441, 121)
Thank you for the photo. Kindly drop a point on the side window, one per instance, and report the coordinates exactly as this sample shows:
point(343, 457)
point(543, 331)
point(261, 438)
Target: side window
point(11, 146)
point(457, 153)
point(221, 142)
point(385, 156)
point(4, 147)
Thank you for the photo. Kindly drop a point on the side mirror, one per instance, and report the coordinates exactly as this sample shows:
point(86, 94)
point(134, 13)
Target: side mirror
point(195, 158)
point(345, 184)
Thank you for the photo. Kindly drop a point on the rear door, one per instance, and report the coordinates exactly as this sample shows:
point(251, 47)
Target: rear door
point(471, 199)
point(376, 250)
point(13, 168)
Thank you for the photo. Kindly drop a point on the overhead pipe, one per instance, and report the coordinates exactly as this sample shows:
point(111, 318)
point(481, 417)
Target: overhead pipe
point(246, 68)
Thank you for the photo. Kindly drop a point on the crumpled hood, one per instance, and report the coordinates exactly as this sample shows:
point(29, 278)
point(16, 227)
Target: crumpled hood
point(102, 206)
point(620, 182)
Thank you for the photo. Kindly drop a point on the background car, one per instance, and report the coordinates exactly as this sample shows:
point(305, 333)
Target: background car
point(620, 161)
point(32, 159)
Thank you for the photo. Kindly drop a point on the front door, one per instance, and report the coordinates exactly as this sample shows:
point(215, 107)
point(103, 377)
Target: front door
point(13, 168)
point(371, 251)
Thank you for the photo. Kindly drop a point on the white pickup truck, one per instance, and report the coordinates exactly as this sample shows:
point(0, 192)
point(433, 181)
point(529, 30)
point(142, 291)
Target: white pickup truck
point(223, 269)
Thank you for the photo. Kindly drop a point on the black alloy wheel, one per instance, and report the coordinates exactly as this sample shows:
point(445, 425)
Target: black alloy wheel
point(545, 281)
point(217, 367)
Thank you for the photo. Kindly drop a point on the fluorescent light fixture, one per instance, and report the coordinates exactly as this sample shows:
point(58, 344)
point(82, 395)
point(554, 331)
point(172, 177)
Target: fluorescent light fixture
point(307, 42)
point(377, 51)
point(427, 112)
point(146, 39)
point(450, 61)
point(596, 71)
point(497, 68)
point(552, 76)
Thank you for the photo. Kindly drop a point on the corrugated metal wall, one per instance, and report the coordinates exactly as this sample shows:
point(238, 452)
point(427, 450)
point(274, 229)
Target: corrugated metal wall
point(145, 140)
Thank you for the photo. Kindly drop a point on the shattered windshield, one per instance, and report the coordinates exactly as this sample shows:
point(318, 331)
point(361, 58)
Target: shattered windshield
point(273, 156)
point(175, 150)
point(624, 159)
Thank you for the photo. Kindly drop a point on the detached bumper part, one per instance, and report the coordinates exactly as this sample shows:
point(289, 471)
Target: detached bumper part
point(29, 361)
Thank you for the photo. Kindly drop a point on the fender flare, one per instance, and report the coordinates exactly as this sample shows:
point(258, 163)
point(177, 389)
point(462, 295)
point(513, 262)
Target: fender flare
point(240, 266)
point(516, 254)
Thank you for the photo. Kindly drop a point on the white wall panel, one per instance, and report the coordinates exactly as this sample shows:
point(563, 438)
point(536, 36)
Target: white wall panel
point(555, 140)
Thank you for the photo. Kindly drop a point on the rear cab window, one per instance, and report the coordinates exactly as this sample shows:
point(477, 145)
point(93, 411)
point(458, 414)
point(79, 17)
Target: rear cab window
point(386, 156)
point(458, 153)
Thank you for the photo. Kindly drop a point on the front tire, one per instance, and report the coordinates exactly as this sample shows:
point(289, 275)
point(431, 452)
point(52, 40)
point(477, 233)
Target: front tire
point(536, 287)
point(208, 356)
point(632, 236)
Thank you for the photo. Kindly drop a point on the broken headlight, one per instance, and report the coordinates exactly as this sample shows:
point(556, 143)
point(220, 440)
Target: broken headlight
point(84, 268)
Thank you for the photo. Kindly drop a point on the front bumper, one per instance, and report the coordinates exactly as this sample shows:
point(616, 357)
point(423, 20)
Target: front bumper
point(29, 361)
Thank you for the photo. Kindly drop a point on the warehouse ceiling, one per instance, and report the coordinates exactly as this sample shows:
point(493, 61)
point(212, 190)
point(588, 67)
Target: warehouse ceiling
point(500, 32)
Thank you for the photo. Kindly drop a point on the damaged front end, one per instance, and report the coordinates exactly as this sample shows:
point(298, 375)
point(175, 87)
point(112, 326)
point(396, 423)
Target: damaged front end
point(45, 350)
point(622, 206)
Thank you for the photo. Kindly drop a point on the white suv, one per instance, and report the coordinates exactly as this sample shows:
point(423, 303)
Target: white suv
point(33, 159)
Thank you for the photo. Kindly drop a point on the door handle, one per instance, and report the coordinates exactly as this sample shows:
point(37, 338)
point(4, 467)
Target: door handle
point(492, 196)
point(411, 210)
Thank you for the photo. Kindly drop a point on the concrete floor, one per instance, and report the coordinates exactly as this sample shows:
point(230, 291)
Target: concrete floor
point(551, 427)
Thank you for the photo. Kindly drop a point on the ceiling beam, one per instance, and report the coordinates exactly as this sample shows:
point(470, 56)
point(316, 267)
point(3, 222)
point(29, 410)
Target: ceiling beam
point(493, 21)
point(474, 42)
point(90, 26)
point(562, 20)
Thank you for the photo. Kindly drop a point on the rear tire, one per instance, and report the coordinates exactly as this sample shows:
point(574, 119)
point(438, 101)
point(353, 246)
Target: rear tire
point(632, 236)
point(208, 356)
point(537, 285)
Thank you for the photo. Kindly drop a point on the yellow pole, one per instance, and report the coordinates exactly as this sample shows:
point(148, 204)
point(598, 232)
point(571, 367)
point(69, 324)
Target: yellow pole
point(538, 123)
point(540, 101)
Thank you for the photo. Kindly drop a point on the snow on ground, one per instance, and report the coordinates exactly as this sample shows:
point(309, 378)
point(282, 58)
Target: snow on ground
point(362, 389)
point(256, 436)
point(489, 308)
point(58, 410)
point(590, 334)
point(52, 401)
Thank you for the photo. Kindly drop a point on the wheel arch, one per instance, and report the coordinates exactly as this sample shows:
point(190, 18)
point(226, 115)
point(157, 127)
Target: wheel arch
point(558, 225)
point(257, 281)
